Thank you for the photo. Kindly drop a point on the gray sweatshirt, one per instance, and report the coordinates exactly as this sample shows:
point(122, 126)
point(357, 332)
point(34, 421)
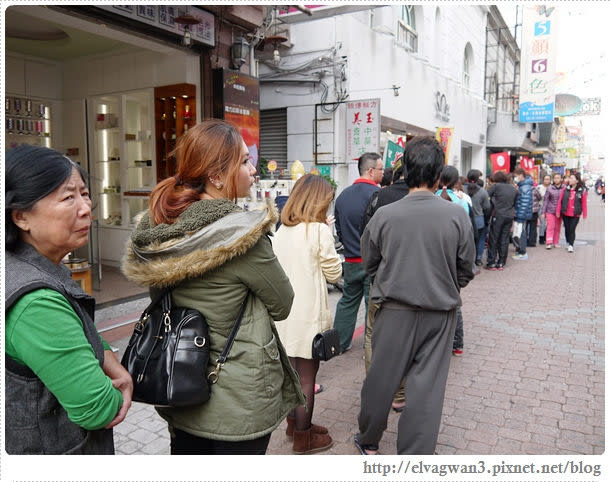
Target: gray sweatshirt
point(420, 252)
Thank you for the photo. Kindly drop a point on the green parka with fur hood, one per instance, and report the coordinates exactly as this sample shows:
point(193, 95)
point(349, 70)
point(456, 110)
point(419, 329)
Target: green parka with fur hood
point(213, 254)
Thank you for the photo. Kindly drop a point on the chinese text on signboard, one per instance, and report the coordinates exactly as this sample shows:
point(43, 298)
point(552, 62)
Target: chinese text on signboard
point(363, 124)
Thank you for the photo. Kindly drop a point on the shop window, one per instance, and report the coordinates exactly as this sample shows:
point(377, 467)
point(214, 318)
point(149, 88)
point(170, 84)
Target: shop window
point(407, 32)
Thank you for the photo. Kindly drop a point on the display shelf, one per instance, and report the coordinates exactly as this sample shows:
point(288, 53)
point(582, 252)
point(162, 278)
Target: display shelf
point(27, 121)
point(175, 113)
point(137, 193)
point(108, 129)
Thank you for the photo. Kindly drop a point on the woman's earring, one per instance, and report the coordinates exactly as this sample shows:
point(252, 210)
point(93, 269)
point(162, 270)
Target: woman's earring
point(218, 184)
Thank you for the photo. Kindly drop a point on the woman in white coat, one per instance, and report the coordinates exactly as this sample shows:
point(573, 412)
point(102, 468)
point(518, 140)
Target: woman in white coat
point(305, 246)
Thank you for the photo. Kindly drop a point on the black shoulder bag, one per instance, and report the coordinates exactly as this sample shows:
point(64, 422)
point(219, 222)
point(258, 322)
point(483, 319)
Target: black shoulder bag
point(168, 354)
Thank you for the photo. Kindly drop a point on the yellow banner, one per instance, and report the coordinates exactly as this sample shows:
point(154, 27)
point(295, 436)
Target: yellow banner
point(443, 136)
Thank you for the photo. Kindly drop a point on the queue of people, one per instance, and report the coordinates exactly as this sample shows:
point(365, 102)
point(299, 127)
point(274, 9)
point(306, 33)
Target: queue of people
point(214, 256)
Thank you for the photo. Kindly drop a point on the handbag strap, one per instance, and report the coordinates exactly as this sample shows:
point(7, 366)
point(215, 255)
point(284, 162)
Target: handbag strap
point(222, 358)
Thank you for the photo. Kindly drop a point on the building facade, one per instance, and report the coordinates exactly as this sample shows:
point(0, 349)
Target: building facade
point(424, 63)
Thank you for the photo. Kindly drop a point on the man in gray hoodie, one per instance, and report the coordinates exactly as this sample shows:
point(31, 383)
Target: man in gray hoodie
point(420, 251)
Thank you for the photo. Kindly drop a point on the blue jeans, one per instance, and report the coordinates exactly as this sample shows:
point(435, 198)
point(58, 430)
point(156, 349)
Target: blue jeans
point(356, 284)
point(481, 242)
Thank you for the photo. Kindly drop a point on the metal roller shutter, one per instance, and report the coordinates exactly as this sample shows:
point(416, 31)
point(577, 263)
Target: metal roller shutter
point(273, 134)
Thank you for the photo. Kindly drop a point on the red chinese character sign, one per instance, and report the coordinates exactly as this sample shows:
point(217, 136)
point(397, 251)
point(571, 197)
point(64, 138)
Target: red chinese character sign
point(527, 163)
point(529, 166)
point(500, 162)
point(443, 136)
point(363, 123)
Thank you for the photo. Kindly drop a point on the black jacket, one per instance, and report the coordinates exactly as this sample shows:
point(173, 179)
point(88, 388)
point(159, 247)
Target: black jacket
point(395, 191)
point(502, 197)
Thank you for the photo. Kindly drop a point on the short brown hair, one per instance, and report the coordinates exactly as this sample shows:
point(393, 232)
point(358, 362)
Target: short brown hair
point(308, 201)
point(519, 171)
point(210, 148)
point(499, 176)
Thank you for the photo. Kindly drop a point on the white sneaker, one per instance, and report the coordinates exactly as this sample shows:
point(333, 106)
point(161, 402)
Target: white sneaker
point(570, 249)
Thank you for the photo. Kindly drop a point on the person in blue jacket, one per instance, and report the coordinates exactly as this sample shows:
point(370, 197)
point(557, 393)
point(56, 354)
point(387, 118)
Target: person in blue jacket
point(349, 209)
point(523, 212)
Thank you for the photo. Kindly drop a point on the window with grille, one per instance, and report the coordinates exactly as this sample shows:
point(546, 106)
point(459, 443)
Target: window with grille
point(407, 32)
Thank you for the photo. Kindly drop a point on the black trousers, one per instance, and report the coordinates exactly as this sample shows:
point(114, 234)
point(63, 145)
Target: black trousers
point(497, 248)
point(569, 224)
point(183, 443)
point(532, 228)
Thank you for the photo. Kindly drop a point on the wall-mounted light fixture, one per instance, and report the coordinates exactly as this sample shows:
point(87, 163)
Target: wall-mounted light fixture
point(239, 52)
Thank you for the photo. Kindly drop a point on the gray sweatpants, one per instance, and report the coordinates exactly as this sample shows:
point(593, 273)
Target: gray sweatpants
point(416, 345)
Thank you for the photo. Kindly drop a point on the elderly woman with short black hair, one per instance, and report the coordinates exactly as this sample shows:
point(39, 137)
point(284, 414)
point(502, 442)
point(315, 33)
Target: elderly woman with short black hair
point(64, 387)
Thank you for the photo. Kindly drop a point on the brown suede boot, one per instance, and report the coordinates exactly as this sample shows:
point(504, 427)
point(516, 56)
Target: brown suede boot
point(314, 428)
point(308, 442)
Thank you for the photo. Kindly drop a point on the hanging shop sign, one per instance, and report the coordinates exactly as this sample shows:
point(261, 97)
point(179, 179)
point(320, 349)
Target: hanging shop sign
point(162, 16)
point(500, 162)
point(443, 136)
point(538, 54)
point(236, 99)
point(363, 124)
point(567, 104)
point(441, 107)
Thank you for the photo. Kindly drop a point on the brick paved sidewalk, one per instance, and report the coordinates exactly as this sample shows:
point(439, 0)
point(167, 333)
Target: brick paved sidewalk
point(531, 380)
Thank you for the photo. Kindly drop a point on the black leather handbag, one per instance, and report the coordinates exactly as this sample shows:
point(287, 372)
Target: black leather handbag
point(326, 345)
point(168, 354)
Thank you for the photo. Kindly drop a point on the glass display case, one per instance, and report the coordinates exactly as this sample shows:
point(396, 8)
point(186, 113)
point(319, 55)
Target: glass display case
point(122, 163)
point(140, 175)
point(27, 121)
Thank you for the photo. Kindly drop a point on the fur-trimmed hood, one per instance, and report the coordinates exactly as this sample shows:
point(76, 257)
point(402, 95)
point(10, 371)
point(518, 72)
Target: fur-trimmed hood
point(206, 235)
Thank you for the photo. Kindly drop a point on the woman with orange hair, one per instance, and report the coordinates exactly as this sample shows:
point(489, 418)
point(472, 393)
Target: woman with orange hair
point(305, 247)
point(214, 255)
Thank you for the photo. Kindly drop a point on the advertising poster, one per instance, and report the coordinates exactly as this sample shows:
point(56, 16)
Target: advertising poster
point(239, 104)
point(363, 122)
point(443, 136)
point(538, 52)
